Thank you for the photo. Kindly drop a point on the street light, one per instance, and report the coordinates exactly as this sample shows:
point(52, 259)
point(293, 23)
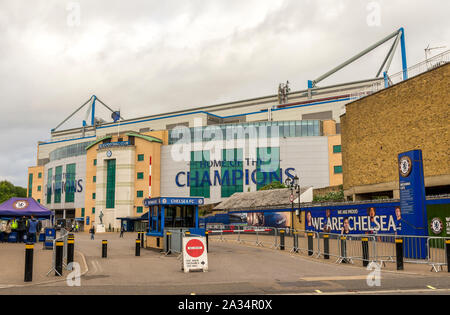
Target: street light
point(294, 184)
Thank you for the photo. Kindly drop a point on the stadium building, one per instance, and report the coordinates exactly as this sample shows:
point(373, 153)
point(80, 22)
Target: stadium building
point(103, 171)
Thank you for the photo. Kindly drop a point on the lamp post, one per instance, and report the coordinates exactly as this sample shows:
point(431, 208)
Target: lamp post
point(294, 184)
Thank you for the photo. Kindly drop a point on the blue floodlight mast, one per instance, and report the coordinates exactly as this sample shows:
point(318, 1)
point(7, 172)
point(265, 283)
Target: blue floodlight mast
point(399, 35)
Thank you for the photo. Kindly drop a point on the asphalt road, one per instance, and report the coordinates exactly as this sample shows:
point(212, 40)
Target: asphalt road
point(233, 270)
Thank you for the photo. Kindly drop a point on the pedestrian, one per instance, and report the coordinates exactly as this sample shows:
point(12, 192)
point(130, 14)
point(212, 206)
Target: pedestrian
point(92, 232)
point(2, 230)
point(32, 230)
point(122, 229)
point(21, 229)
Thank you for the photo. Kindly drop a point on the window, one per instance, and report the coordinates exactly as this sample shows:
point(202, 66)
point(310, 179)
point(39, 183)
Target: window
point(39, 200)
point(93, 195)
point(94, 179)
point(40, 175)
point(110, 184)
point(338, 169)
point(82, 212)
point(30, 185)
point(140, 194)
point(199, 179)
point(49, 185)
point(232, 173)
point(140, 209)
point(141, 157)
point(140, 175)
point(58, 184)
point(337, 149)
point(93, 210)
point(70, 183)
point(39, 188)
point(95, 162)
point(268, 168)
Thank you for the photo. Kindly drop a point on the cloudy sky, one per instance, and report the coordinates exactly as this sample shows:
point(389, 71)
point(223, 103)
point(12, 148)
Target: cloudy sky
point(147, 57)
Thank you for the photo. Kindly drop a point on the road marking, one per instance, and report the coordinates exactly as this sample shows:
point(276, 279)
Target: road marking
point(337, 278)
point(430, 287)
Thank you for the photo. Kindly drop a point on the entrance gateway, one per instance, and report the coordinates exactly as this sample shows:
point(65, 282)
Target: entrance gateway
point(171, 214)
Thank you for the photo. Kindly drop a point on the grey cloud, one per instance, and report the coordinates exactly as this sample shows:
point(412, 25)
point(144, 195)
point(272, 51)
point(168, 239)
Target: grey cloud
point(149, 57)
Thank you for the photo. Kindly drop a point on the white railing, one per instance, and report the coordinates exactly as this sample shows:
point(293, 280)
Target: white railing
point(422, 67)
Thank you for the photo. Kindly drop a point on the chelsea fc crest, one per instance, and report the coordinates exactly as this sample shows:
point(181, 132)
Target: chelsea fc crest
point(20, 204)
point(436, 226)
point(405, 166)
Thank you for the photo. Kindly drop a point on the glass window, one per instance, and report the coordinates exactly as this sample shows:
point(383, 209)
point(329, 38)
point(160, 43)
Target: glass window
point(70, 183)
point(82, 212)
point(94, 179)
point(139, 209)
point(232, 173)
point(58, 184)
point(199, 177)
point(140, 194)
point(310, 128)
point(95, 162)
point(39, 188)
point(110, 184)
point(40, 175)
point(30, 185)
point(338, 169)
point(93, 195)
point(49, 185)
point(337, 149)
point(140, 175)
point(93, 210)
point(141, 157)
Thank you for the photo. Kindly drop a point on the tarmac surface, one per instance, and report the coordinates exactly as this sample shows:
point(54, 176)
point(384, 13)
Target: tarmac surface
point(234, 269)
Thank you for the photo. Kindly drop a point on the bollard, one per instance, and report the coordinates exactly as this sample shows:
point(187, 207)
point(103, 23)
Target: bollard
point(399, 252)
point(344, 249)
point(70, 249)
point(168, 243)
point(295, 242)
point(365, 251)
point(207, 241)
point(310, 244)
point(326, 246)
point(59, 258)
point(447, 247)
point(29, 249)
point(282, 239)
point(142, 239)
point(138, 247)
point(104, 249)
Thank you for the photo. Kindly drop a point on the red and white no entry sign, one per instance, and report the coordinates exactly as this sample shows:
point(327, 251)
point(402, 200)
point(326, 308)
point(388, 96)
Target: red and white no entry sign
point(195, 248)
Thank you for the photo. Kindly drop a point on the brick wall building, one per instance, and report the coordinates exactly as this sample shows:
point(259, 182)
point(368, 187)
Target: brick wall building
point(414, 114)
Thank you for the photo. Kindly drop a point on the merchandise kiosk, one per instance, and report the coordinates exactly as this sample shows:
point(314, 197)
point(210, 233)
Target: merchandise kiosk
point(175, 215)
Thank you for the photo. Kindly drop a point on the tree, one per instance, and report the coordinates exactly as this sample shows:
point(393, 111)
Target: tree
point(8, 191)
point(273, 185)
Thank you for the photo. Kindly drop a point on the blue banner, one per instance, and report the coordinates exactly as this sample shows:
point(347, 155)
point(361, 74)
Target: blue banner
point(354, 219)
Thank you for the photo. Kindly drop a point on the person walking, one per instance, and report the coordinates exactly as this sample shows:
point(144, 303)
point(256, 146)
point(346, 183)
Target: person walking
point(92, 232)
point(122, 229)
point(32, 230)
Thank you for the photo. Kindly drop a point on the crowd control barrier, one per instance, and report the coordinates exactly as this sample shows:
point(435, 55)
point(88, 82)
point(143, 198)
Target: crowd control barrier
point(350, 248)
point(59, 261)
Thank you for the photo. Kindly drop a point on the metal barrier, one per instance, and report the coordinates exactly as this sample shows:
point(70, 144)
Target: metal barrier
point(64, 234)
point(366, 248)
point(437, 255)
